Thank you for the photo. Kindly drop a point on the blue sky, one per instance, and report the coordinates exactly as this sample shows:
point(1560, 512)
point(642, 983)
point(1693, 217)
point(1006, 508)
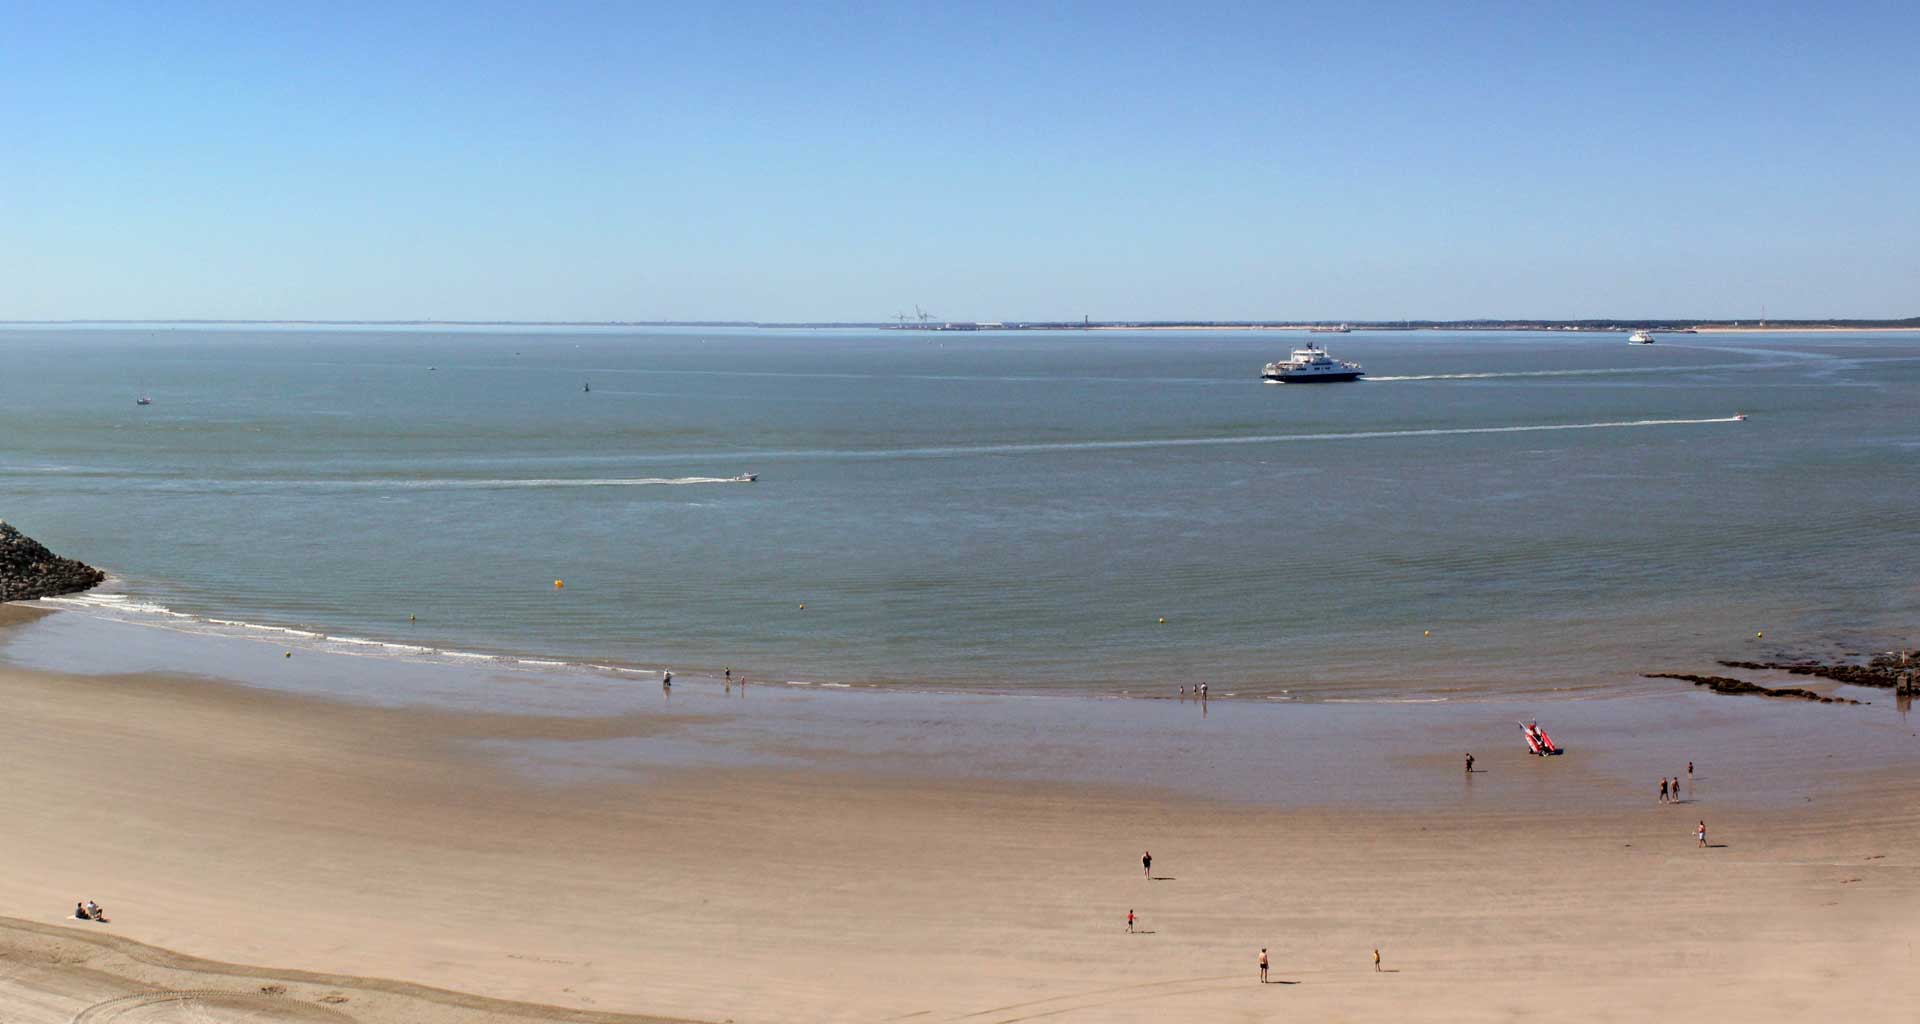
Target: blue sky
point(987, 161)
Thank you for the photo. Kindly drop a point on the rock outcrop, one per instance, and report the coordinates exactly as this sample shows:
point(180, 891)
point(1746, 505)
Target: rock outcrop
point(1730, 685)
point(28, 570)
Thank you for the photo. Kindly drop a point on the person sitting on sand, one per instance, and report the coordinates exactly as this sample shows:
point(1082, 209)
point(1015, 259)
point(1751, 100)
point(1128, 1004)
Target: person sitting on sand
point(94, 911)
point(80, 911)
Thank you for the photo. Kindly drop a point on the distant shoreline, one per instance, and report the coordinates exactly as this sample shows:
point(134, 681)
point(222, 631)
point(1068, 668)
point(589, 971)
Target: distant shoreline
point(1602, 326)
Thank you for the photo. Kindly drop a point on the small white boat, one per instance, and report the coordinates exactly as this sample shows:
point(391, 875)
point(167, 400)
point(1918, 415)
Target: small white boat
point(1640, 338)
point(746, 478)
point(143, 400)
point(1739, 417)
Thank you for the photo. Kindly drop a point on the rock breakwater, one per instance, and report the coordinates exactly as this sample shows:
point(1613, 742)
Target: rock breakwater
point(28, 570)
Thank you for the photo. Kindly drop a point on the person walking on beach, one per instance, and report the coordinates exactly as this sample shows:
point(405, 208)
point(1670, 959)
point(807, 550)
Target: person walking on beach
point(1701, 834)
point(1663, 789)
point(1263, 965)
point(1146, 863)
point(1376, 960)
point(1676, 789)
point(1129, 920)
point(1469, 764)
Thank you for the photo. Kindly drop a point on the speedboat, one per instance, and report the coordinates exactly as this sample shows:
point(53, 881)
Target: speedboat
point(1640, 338)
point(1311, 365)
point(143, 400)
point(746, 478)
point(1739, 417)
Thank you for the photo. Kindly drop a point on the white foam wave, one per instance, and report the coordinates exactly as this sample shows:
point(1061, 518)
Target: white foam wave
point(112, 603)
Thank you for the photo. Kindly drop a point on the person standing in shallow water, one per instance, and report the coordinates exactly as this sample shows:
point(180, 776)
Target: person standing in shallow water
point(1469, 764)
point(1663, 789)
point(1129, 920)
point(1146, 863)
point(1701, 834)
point(1263, 965)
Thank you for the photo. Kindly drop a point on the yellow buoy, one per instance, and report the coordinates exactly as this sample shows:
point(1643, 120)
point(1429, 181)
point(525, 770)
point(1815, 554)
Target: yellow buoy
point(557, 584)
point(289, 654)
point(1758, 636)
point(1426, 632)
point(803, 607)
point(1163, 620)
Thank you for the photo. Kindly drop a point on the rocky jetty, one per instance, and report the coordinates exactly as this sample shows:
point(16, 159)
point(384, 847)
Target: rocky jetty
point(28, 570)
point(1730, 685)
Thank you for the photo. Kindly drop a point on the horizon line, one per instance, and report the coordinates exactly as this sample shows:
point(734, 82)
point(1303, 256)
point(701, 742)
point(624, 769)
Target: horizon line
point(1397, 323)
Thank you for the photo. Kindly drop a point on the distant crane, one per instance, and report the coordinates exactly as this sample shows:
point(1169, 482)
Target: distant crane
point(902, 317)
point(921, 313)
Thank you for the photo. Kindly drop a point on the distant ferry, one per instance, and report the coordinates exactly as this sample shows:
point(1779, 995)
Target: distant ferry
point(1311, 365)
point(1342, 329)
point(1640, 338)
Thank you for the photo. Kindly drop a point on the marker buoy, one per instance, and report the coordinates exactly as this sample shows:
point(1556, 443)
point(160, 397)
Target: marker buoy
point(1426, 632)
point(803, 607)
point(557, 584)
point(289, 654)
point(1163, 620)
point(1759, 636)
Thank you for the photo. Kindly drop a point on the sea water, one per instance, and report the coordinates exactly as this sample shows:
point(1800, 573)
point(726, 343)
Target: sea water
point(1489, 512)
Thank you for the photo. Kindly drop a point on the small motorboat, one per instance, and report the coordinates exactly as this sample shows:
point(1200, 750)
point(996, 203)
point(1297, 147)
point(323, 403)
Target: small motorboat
point(143, 400)
point(1739, 417)
point(746, 478)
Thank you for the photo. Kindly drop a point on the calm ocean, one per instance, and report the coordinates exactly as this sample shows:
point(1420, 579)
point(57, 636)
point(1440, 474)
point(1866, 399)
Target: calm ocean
point(1006, 511)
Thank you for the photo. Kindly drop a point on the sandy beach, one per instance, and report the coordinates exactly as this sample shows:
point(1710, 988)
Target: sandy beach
point(304, 847)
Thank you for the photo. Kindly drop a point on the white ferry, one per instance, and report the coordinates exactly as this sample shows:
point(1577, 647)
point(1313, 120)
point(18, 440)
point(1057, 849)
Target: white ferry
point(1311, 365)
point(1640, 338)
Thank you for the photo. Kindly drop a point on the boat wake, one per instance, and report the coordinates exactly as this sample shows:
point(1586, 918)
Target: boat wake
point(1019, 448)
point(461, 483)
point(1594, 372)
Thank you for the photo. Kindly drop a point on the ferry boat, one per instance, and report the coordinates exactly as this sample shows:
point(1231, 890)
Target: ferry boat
point(1640, 338)
point(1311, 365)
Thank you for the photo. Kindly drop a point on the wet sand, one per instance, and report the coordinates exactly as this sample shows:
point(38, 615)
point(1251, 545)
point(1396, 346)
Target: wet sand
point(454, 849)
